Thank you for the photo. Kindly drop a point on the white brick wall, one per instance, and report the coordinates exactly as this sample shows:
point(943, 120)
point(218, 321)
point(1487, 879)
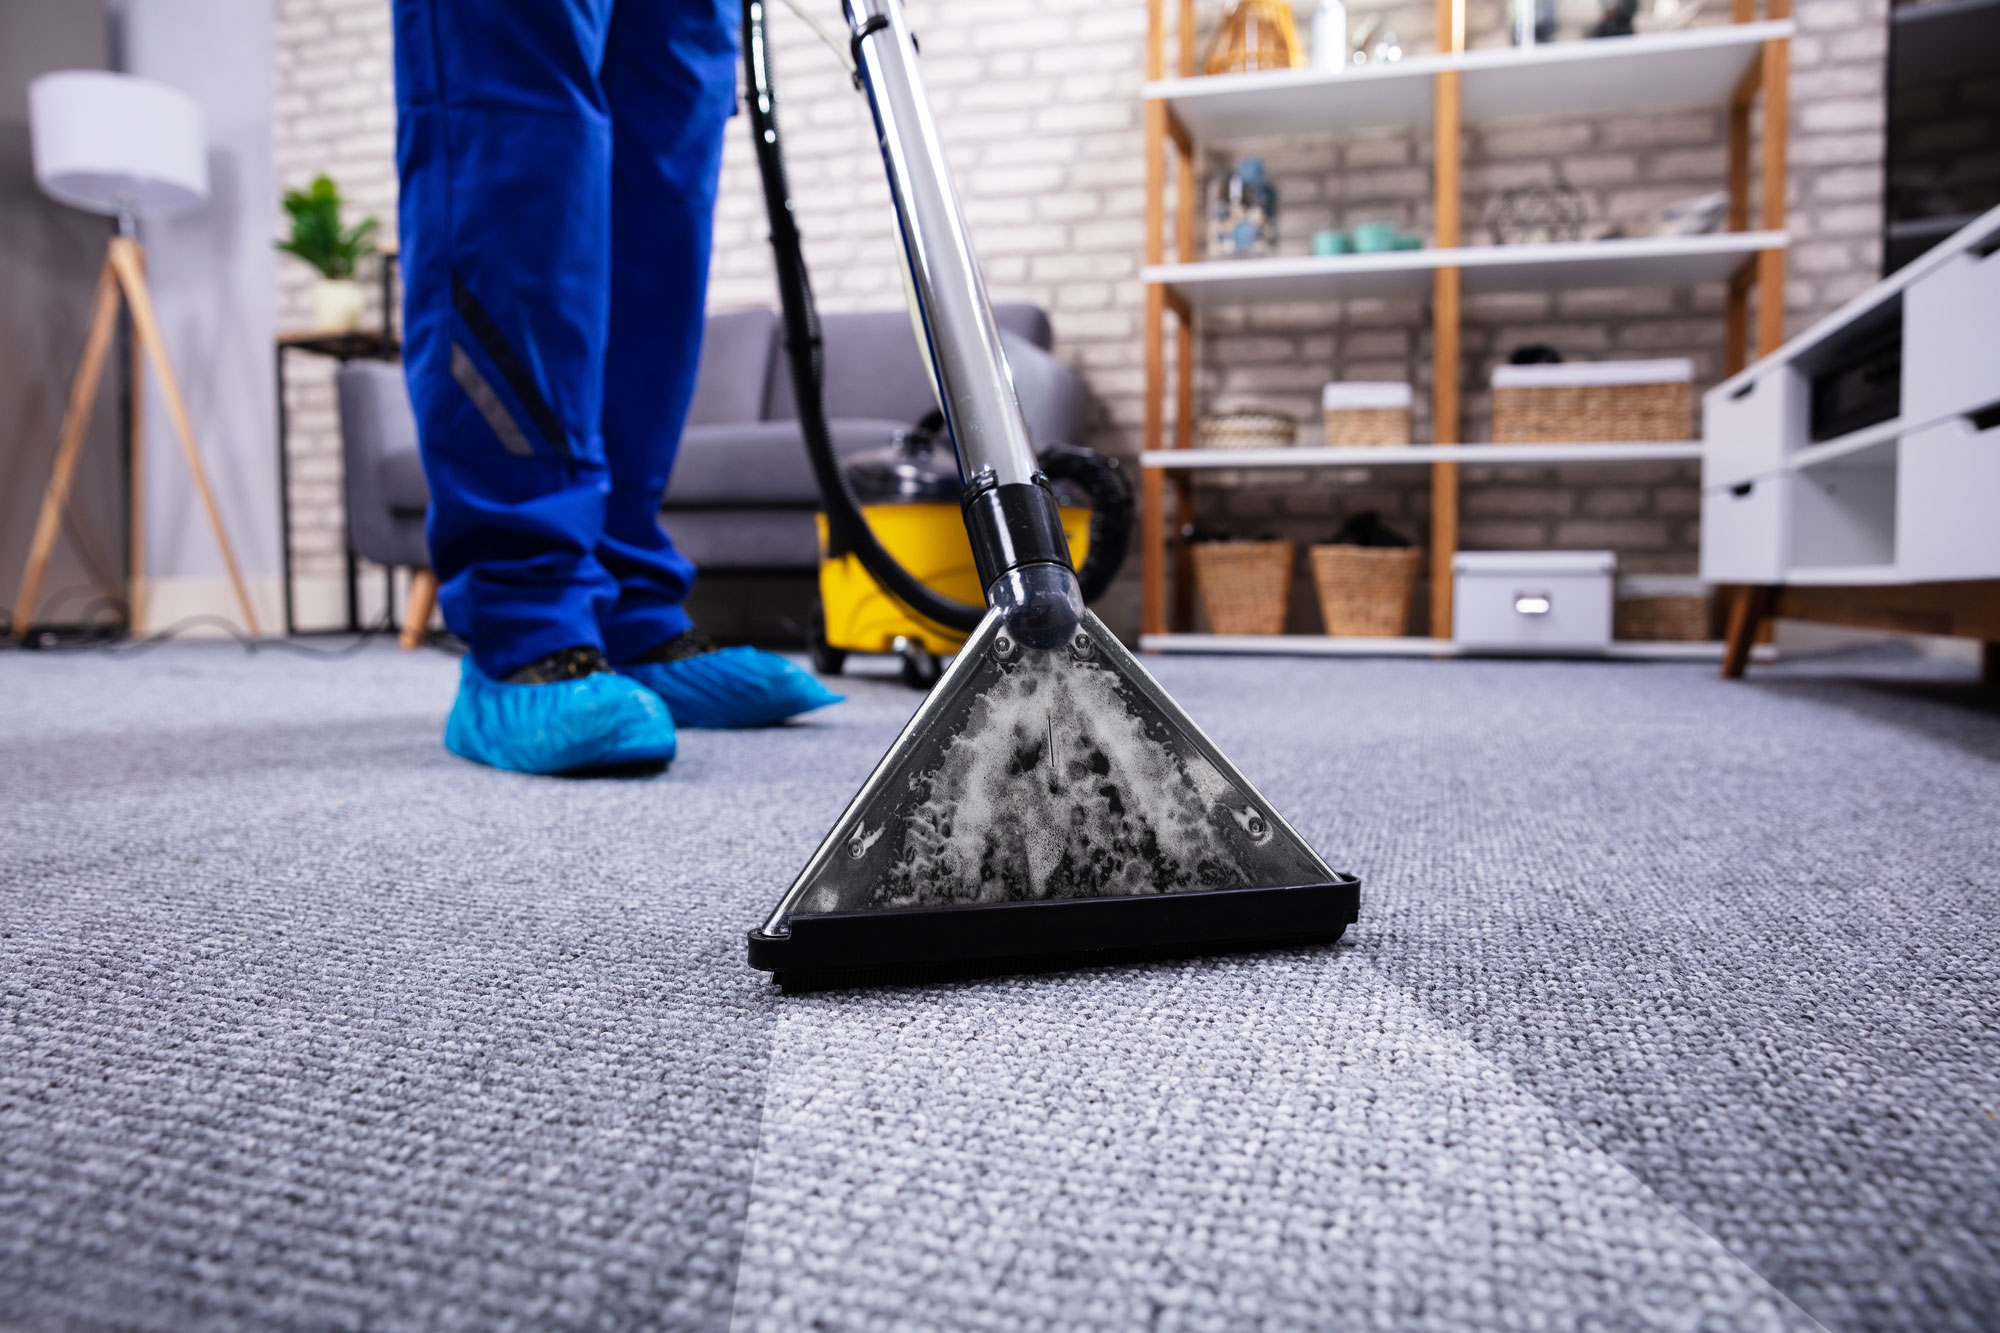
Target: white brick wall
point(1037, 101)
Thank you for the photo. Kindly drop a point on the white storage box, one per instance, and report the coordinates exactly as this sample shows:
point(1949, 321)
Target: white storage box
point(1532, 601)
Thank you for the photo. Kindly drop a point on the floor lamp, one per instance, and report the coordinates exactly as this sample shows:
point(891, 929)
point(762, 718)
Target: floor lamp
point(128, 148)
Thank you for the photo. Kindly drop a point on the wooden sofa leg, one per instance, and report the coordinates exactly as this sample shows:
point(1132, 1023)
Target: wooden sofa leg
point(1746, 615)
point(417, 615)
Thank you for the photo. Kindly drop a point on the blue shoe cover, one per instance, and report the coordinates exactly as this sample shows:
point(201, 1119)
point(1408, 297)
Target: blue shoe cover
point(732, 687)
point(602, 721)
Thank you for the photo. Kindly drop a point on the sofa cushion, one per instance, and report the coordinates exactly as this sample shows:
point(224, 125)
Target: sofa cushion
point(403, 484)
point(873, 369)
point(721, 540)
point(736, 353)
point(761, 462)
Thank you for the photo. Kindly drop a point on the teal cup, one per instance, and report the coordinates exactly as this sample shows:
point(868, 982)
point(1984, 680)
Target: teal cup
point(1332, 243)
point(1374, 237)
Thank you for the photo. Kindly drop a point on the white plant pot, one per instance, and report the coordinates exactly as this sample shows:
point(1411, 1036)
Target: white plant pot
point(337, 305)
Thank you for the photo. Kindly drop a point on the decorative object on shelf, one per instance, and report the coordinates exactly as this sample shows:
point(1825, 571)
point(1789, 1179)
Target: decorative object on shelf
point(1332, 241)
point(1663, 608)
point(1255, 34)
point(1329, 39)
point(1250, 428)
point(1363, 413)
point(1695, 216)
point(1616, 20)
point(1375, 43)
point(1584, 402)
point(1245, 222)
point(1366, 578)
point(1244, 585)
point(1671, 14)
point(1534, 354)
point(1374, 238)
point(319, 238)
point(1532, 601)
point(1534, 21)
point(1535, 214)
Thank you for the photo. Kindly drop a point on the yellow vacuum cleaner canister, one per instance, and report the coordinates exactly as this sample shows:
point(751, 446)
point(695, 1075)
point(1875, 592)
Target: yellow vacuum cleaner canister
point(909, 495)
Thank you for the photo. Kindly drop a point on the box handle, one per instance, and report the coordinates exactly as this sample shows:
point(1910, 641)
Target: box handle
point(1985, 418)
point(1742, 391)
point(1532, 603)
point(1742, 488)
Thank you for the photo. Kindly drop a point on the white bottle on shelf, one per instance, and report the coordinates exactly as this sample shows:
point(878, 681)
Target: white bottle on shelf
point(1329, 39)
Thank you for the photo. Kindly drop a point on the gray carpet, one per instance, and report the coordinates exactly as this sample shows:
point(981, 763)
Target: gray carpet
point(1673, 1005)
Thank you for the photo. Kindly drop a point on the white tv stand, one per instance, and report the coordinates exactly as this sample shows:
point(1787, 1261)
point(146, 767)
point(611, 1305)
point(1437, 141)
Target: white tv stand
point(1894, 525)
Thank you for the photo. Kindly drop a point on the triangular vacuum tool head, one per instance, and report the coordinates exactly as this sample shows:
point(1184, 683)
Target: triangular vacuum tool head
point(1047, 808)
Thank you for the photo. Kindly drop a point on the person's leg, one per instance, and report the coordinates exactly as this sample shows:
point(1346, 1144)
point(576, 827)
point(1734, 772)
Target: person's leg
point(670, 82)
point(504, 151)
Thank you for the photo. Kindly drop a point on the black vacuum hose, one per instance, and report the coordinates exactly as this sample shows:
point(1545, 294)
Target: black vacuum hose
point(845, 523)
point(1110, 495)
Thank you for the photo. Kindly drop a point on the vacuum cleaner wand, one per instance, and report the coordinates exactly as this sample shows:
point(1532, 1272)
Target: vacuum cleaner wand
point(1010, 512)
point(1049, 802)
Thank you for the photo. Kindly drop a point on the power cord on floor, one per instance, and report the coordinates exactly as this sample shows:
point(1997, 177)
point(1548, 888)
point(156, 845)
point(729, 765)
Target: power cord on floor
point(107, 642)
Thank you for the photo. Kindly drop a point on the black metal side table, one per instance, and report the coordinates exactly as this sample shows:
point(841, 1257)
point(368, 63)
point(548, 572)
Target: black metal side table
point(359, 344)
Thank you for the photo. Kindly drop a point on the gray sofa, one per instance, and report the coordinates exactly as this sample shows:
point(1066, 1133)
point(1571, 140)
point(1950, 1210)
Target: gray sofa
point(742, 497)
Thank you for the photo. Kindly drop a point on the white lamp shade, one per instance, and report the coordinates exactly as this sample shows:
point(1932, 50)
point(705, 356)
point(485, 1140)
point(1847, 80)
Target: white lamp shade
point(110, 143)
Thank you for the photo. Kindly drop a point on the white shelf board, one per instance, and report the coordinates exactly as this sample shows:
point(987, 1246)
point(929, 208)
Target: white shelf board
point(1624, 262)
point(1844, 446)
point(1321, 645)
point(1296, 645)
point(1393, 455)
point(1694, 67)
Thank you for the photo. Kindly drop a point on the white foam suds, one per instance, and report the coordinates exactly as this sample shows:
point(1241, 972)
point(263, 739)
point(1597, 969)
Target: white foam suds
point(1054, 789)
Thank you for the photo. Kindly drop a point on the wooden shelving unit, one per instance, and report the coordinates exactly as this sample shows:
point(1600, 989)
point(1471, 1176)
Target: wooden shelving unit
point(1735, 63)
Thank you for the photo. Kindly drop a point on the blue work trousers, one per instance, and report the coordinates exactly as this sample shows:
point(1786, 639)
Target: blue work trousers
point(558, 162)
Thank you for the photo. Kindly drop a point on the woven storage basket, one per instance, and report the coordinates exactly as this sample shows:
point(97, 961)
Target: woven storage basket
point(1657, 619)
point(1244, 585)
point(1674, 608)
point(1593, 401)
point(1251, 428)
point(1366, 590)
point(1361, 414)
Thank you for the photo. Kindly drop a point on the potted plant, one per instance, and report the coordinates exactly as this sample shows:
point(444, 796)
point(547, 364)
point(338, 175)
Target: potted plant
point(319, 239)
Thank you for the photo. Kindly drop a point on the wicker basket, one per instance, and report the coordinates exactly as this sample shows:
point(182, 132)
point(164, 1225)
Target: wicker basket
point(1360, 414)
point(1252, 428)
point(1366, 591)
point(1672, 608)
point(1244, 585)
point(1593, 401)
point(1662, 619)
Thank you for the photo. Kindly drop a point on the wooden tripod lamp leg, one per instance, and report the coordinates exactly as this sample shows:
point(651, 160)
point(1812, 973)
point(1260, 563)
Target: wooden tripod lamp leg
point(146, 327)
point(82, 397)
point(417, 616)
point(135, 499)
